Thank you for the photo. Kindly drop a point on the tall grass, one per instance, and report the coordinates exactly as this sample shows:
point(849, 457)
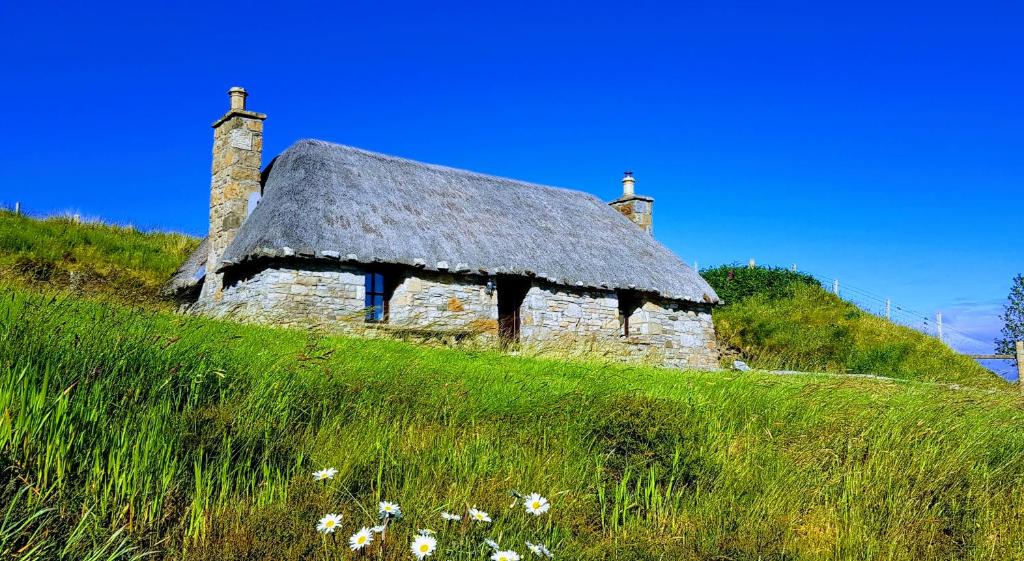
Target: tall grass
point(195, 439)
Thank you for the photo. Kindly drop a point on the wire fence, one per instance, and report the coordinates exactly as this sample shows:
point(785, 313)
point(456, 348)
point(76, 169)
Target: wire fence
point(929, 324)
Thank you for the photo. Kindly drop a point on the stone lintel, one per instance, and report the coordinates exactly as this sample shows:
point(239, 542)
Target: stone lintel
point(632, 198)
point(237, 113)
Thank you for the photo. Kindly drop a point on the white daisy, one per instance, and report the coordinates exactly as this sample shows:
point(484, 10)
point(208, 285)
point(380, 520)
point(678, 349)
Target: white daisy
point(425, 532)
point(479, 515)
point(536, 504)
point(492, 544)
point(389, 510)
point(360, 539)
point(329, 523)
point(379, 529)
point(505, 556)
point(539, 550)
point(323, 474)
point(450, 517)
point(423, 546)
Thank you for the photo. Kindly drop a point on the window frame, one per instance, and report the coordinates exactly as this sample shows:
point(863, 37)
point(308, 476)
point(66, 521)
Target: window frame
point(372, 290)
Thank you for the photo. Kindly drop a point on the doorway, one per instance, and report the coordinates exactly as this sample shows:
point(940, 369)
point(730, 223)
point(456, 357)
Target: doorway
point(511, 293)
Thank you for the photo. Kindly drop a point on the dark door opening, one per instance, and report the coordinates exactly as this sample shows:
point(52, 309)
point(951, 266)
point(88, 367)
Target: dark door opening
point(511, 293)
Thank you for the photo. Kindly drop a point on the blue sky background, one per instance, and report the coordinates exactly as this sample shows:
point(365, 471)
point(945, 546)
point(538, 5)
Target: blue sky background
point(877, 143)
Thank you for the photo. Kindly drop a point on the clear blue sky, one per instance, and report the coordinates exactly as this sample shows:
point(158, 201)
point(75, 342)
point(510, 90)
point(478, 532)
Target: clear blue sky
point(880, 143)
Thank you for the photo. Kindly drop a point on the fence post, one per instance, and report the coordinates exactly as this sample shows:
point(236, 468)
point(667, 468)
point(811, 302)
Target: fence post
point(1020, 363)
point(888, 309)
point(17, 208)
point(751, 264)
point(835, 287)
point(938, 324)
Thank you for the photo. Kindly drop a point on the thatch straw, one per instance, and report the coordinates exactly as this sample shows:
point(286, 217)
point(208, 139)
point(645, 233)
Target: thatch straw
point(325, 201)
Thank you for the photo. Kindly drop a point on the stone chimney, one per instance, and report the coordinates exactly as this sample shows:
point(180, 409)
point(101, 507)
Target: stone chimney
point(235, 183)
point(638, 208)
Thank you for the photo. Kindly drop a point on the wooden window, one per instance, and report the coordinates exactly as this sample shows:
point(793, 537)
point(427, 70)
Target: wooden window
point(376, 302)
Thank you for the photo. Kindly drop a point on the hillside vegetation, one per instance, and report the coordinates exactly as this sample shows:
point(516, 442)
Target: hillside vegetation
point(90, 258)
point(197, 439)
point(779, 319)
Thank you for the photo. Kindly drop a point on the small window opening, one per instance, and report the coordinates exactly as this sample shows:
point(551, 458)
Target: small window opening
point(376, 302)
point(628, 304)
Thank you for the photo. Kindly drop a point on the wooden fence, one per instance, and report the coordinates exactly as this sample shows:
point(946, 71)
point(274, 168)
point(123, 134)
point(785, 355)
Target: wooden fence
point(1018, 356)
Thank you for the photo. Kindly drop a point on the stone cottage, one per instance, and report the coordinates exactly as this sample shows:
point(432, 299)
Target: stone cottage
point(335, 236)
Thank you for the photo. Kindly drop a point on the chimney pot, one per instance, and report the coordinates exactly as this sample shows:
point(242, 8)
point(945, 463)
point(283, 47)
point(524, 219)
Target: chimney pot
point(627, 184)
point(237, 98)
point(637, 208)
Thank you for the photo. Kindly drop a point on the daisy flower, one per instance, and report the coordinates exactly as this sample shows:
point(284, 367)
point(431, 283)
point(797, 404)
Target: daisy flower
point(539, 550)
point(360, 539)
point(479, 515)
point(450, 517)
point(507, 555)
point(492, 544)
point(536, 504)
point(323, 474)
point(379, 529)
point(389, 510)
point(425, 532)
point(423, 546)
point(329, 523)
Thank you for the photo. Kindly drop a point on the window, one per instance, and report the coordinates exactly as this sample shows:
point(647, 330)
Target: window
point(376, 302)
point(628, 304)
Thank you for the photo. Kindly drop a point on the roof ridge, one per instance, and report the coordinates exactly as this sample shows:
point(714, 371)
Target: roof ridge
point(443, 168)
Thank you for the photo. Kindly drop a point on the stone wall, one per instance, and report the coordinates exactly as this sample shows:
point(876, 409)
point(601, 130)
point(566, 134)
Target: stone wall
point(234, 182)
point(444, 302)
point(665, 332)
point(327, 296)
point(679, 334)
point(332, 296)
point(550, 312)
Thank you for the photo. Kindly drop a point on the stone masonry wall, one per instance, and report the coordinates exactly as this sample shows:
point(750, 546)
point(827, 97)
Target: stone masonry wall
point(444, 302)
point(681, 334)
point(331, 296)
point(671, 333)
point(316, 295)
point(550, 312)
point(237, 155)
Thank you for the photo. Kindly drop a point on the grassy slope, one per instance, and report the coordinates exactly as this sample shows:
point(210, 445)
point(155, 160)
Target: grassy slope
point(90, 258)
point(813, 330)
point(197, 437)
point(203, 434)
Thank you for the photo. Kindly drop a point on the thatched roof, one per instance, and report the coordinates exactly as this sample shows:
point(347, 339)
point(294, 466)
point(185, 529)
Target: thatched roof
point(333, 202)
point(189, 274)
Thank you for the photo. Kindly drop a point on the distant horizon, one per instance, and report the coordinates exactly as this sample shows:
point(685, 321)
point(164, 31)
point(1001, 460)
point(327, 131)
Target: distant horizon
point(876, 144)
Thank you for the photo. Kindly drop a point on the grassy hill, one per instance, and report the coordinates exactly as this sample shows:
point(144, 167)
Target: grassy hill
point(783, 320)
point(128, 429)
point(90, 258)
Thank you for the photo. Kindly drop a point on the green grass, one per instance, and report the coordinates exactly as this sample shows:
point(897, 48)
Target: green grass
point(809, 329)
point(127, 430)
point(90, 258)
point(196, 438)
